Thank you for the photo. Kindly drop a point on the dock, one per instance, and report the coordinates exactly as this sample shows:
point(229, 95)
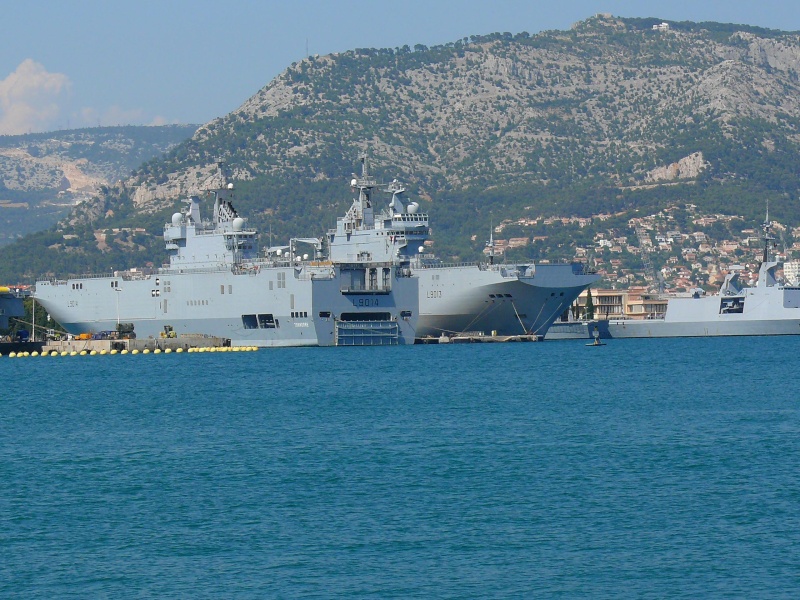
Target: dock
point(183, 342)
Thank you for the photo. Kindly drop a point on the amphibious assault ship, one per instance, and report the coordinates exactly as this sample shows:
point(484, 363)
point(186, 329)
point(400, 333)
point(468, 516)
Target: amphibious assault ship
point(375, 286)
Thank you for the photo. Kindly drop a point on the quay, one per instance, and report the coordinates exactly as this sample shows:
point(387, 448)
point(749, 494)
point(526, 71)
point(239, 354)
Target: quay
point(184, 343)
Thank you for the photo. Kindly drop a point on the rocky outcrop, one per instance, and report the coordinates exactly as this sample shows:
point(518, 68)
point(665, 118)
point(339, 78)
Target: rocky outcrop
point(688, 167)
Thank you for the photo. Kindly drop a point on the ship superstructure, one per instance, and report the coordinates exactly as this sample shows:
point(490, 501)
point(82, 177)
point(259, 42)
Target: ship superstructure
point(375, 285)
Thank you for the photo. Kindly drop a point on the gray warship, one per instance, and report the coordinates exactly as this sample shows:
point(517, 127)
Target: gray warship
point(375, 286)
point(766, 308)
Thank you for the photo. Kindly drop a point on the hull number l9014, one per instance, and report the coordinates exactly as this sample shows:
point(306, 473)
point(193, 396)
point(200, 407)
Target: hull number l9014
point(365, 302)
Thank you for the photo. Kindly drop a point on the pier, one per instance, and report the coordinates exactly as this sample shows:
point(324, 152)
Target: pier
point(183, 343)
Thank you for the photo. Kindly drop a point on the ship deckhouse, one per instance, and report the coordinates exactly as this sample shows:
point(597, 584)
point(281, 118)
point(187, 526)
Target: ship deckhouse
point(394, 235)
point(219, 243)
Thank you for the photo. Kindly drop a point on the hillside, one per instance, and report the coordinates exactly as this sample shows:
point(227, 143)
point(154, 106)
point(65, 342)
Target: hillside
point(611, 116)
point(43, 176)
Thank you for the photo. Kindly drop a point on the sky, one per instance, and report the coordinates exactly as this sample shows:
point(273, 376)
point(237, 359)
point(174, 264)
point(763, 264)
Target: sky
point(66, 64)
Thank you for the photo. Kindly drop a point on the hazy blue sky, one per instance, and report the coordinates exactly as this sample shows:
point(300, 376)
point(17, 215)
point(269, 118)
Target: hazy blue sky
point(68, 64)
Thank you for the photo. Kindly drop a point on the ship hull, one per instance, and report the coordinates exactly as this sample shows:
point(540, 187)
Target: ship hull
point(771, 310)
point(496, 301)
point(659, 328)
point(281, 306)
point(294, 306)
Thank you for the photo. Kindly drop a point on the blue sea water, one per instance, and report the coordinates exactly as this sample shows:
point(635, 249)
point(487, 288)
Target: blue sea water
point(644, 468)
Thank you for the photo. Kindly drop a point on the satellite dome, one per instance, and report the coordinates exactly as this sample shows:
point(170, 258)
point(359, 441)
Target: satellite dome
point(238, 224)
point(413, 208)
point(177, 218)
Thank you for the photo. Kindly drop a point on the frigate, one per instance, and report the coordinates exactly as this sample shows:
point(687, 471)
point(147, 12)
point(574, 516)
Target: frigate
point(769, 307)
point(375, 285)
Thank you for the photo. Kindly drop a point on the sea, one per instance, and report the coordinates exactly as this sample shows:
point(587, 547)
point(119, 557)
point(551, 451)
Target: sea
point(641, 469)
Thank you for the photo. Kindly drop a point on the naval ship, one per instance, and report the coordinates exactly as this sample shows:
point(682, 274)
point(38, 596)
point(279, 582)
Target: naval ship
point(375, 286)
point(766, 308)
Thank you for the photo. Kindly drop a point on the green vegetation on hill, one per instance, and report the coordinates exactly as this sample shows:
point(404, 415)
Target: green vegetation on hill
point(608, 117)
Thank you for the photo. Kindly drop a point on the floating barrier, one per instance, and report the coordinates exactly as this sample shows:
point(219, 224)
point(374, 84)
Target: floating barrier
point(73, 351)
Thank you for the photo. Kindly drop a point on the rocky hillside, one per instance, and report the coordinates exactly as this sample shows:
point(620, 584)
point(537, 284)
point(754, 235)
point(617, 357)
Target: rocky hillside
point(612, 115)
point(610, 100)
point(43, 176)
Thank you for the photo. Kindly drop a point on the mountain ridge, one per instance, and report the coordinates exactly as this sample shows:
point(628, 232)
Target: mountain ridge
point(579, 122)
point(43, 175)
point(502, 98)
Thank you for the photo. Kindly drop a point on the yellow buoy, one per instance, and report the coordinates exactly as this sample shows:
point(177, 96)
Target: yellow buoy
point(124, 351)
point(134, 351)
point(83, 352)
point(157, 351)
point(93, 353)
point(146, 351)
point(12, 354)
point(167, 350)
point(179, 350)
point(34, 353)
point(113, 351)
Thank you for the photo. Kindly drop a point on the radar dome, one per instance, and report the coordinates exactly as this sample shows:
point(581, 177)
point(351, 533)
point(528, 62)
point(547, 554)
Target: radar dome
point(230, 186)
point(353, 182)
point(238, 224)
point(177, 218)
point(421, 249)
point(413, 208)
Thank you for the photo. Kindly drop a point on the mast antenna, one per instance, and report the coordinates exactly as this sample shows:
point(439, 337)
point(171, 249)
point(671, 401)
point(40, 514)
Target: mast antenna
point(490, 243)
